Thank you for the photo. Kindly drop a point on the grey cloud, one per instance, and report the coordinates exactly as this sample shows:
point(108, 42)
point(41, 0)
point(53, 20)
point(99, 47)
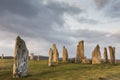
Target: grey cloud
point(101, 3)
point(115, 10)
point(21, 7)
point(90, 36)
point(88, 21)
point(93, 36)
point(62, 7)
point(40, 25)
point(112, 9)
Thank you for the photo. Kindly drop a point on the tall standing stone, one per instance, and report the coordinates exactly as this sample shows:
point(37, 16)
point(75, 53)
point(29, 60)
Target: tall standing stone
point(105, 56)
point(80, 52)
point(65, 54)
point(112, 54)
point(32, 56)
point(21, 56)
point(78, 57)
point(81, 48)
point(55, 54)
point(50, 60)
point(96, 55)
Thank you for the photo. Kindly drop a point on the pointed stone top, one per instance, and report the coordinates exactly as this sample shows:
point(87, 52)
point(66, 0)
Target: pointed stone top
point(32, 54)
point(105, 48)
point(82, 41)
point(18, 37)
point(97, 46)
point(50, 48)
point(110, 46)
point(63, 46)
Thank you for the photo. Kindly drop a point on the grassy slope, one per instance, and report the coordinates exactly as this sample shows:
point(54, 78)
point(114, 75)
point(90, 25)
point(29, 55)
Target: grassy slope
point(38, 70)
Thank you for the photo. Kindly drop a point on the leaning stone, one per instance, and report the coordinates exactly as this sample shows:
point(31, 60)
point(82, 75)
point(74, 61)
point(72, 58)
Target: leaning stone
point(96, 55)
point(21, 56)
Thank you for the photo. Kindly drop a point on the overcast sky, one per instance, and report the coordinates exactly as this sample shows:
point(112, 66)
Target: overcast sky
point(64, 22)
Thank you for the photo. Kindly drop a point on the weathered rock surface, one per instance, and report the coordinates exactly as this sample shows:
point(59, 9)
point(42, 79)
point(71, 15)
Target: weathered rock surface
point(112, 54)
point(21, 56)
point(96, 55)
point(65, 54)
point(55, 54)
point(78, 57)
point(32, 56)
point(80, 52)
point(50, 60)
point(105, 56)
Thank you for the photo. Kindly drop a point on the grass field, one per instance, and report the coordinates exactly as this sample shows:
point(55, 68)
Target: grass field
point(38, 70)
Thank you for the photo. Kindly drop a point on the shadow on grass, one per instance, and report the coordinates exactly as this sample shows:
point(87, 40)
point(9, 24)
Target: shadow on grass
point(29, 75)
point(45, 73)
point(101, 78)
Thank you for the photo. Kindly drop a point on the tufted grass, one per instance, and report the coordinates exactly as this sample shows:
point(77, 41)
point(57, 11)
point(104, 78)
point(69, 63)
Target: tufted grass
point(38, 70)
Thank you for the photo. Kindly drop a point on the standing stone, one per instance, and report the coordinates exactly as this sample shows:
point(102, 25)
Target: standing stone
point(105, 56)
point(2, 57)
point(81, 48)
point(78, 57)
point(112, 54)
point(96, 55)
point(65, 54)
point(38, 57)
point(21, 56)
point(50, 60)
point(80, 52)
point(55, 54)
point(32, 56)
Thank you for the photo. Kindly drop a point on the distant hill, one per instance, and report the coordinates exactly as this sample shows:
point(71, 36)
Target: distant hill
point(8, 57)
point(41, 57)
point(35, 57)
point(46, 58)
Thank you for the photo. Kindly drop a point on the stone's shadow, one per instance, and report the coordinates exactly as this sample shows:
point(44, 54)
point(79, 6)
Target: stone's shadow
point(47, 72)
point(100, 78)
point(29, 75)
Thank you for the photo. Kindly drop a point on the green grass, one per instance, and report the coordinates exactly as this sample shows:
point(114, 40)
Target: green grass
point(38, 70)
